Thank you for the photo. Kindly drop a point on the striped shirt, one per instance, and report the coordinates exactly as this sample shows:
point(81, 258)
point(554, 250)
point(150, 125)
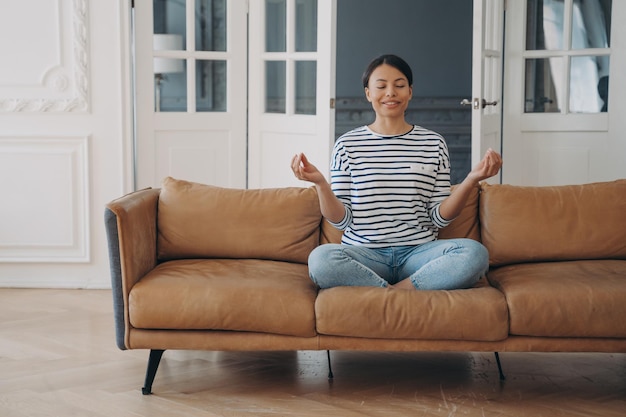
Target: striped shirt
point(391, 186)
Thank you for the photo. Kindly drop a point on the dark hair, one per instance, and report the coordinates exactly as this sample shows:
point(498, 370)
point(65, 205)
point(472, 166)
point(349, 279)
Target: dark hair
point(393, 60)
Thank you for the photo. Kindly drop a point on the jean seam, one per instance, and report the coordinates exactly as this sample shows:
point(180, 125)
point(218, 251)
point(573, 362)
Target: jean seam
point(363, 267)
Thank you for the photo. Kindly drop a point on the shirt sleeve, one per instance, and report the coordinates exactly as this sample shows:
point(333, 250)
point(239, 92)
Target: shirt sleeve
point(441, 189)
point(340, 182)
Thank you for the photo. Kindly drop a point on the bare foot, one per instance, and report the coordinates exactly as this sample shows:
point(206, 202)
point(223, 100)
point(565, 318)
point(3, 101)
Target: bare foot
point(405, 284)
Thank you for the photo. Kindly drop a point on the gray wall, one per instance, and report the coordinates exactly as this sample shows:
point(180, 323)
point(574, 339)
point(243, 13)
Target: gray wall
point(433, 36)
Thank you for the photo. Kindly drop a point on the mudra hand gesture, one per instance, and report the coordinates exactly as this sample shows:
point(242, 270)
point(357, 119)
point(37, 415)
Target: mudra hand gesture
point(488, 167)
point(306, 171)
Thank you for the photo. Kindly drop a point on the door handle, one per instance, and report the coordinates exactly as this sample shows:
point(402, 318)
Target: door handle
point(478, 103)
point(486, 103)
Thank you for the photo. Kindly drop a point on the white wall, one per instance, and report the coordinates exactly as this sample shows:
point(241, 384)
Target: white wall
point(64, 139)
point(65, 132)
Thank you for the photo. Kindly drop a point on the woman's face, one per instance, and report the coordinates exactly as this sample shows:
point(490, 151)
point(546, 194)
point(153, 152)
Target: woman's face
point(389, 91)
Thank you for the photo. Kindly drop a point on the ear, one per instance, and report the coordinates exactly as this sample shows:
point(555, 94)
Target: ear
point(410, 92)
point(367, 94)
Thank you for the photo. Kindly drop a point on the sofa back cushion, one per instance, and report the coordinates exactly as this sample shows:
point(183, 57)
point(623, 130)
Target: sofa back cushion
point(203, 221)
point(329, 233)
point(558, 223)
point(466, 223)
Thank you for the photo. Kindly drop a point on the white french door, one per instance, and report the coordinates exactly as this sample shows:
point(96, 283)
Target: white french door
point(190, 83)
point(291, 88)
point(564, 79)
point(487, 56)
point(228, 90)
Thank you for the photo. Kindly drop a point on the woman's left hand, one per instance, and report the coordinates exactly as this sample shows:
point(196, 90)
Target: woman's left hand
point(488, 167)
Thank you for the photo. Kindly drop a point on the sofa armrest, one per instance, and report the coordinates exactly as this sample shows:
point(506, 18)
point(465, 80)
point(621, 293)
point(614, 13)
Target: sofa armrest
point(131, 226)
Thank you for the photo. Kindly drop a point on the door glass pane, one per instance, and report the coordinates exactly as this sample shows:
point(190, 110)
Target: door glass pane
point(211, 25)
point(306, 82)
point(544, 24)
point(275, 25)
point(211, 86)
point(306, 25)
point(170, 78)
point(170, 91)
point(542, 87)
point(588, 76)
point(275, 82)
point(589, 89)
point(209, 22)
point(591, 24)
point(169, 17)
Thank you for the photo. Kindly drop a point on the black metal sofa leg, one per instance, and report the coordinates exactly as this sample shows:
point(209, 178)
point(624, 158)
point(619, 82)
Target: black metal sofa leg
point(502, 377)
point(153, 365)
point(330, 368)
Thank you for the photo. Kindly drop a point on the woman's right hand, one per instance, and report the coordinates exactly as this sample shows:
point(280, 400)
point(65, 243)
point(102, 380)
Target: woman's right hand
point(306, 171)
point(330, 206)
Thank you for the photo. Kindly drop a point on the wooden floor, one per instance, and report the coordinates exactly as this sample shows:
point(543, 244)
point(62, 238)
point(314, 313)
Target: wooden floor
point(58, 358)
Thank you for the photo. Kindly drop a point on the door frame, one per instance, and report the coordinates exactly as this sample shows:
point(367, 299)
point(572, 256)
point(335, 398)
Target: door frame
point(487, 78)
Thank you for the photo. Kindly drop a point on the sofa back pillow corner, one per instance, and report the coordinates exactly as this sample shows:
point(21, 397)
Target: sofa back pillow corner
point(466, 223)
point(203, 221)
point(553, 223)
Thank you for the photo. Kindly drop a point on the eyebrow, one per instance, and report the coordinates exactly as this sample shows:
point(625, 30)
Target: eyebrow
point(397, 79)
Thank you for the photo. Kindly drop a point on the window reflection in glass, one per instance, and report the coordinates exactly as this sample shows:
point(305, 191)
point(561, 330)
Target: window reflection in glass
point(169, 17)
point(540, 90)
point(588, 76)
point(588, 93)
point(211, 86)
point(275, 81)
point(306, 25)
point(591, 24)
point(170, 78)
point(544, 24)
point(170, 86)
point(210, 25)
point(306, 83)
point(275, 25)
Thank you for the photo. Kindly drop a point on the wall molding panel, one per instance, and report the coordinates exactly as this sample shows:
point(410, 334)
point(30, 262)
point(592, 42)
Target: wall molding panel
point(48, 72)
point(46, 217)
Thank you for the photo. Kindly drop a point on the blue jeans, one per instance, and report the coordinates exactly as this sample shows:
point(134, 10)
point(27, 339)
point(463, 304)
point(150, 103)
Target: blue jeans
point(438, 265)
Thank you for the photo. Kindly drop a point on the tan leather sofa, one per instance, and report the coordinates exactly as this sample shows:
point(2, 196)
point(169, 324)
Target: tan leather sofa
point(207, 268)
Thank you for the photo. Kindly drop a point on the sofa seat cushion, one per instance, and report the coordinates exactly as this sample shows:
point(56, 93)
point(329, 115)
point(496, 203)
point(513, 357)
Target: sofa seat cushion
point(478, 313)
point(226, 294)
point(565, 299)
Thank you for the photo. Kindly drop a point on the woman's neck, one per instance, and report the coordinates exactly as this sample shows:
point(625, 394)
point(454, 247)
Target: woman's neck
point(389, 127)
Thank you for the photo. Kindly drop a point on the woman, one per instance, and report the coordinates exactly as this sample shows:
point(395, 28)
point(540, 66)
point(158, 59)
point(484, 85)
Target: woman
point(390, 194)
